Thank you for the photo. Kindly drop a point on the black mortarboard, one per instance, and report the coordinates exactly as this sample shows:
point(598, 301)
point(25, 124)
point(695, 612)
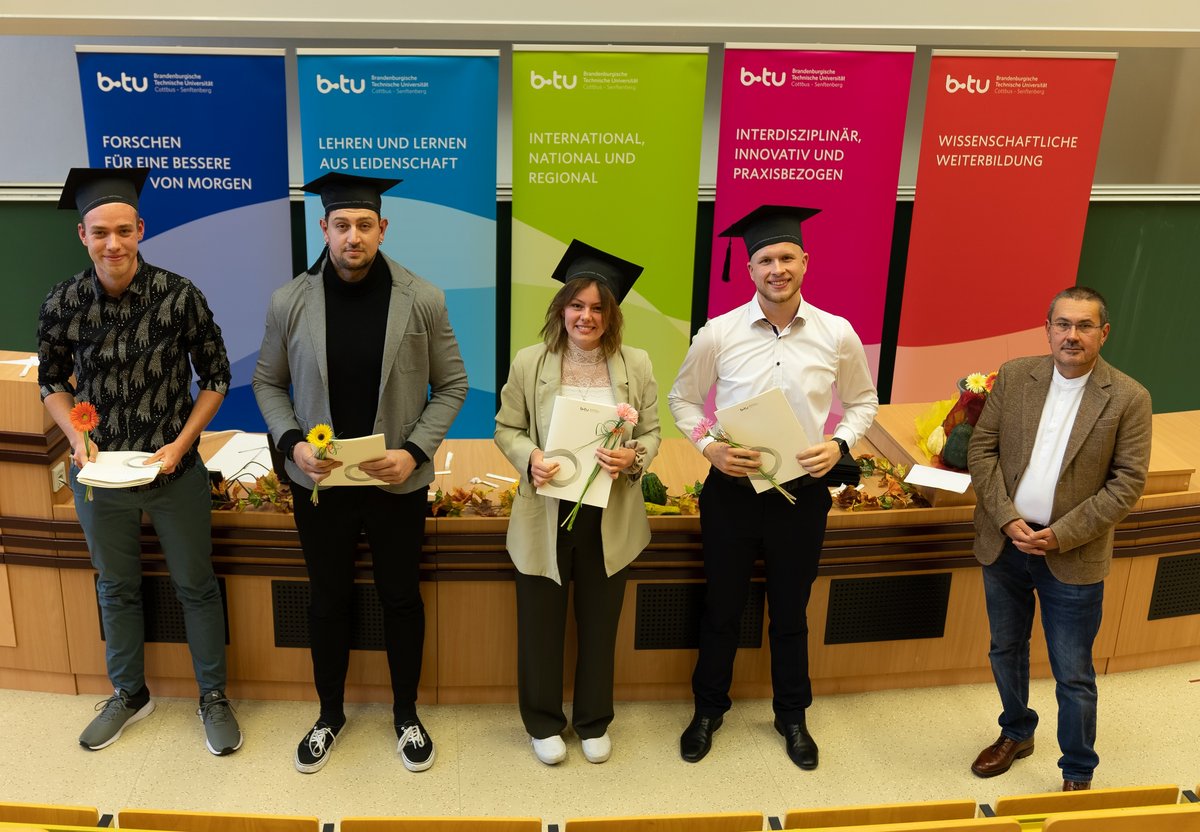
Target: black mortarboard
point(767, 225)
point(582, 260)
point(86, 188)
point(341, 190)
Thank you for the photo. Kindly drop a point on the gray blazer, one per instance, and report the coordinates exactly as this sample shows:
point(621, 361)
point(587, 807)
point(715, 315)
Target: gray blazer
point(1103, 469)
point(423, 383)
point(526, 402)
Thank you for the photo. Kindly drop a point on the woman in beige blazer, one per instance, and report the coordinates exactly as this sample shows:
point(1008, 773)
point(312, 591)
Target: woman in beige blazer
point(581, 357)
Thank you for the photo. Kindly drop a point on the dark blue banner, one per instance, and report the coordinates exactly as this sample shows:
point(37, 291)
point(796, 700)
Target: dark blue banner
point(212, 127)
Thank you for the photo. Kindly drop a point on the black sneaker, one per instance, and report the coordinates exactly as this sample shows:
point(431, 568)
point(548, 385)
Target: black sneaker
point(415, 747)
point(313, 751)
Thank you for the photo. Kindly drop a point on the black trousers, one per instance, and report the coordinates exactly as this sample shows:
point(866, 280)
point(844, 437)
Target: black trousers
point(739, 527)
point(329, 533)
point(541, 630)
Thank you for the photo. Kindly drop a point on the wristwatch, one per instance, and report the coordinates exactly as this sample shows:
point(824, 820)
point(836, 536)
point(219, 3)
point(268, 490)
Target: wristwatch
point(842, 446)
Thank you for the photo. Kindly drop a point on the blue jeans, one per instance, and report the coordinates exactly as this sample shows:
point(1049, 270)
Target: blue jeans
point(182, 518)
point(1071, 618)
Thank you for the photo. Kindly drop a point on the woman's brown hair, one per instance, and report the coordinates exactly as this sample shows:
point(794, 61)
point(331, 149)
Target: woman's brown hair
point(554, 331)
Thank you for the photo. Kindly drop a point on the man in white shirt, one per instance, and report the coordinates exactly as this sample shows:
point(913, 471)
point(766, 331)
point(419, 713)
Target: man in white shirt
point(775, 340)
point(1058, 458)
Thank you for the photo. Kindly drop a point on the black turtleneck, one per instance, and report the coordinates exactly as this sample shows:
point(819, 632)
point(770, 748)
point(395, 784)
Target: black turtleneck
point(355, 327)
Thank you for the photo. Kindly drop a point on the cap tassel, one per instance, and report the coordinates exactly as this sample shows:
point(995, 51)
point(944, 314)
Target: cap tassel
point(728, 255)
point(314, 268)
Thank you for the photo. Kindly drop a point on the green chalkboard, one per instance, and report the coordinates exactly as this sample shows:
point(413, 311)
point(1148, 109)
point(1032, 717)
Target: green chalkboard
point(1144, 257)
point(43, 249)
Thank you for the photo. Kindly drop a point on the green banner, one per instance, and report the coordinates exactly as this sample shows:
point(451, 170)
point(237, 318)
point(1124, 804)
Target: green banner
point(606, 149)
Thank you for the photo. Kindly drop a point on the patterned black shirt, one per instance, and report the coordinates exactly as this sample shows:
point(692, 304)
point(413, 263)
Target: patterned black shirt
point(130, 356)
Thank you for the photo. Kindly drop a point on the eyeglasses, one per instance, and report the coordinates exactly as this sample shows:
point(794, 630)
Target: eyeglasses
point(1085, 328)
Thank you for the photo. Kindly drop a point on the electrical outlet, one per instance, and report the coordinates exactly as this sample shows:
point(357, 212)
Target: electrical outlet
point(58, 476)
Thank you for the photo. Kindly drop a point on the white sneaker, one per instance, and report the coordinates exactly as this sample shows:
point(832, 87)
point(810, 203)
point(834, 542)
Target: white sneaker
point(597, 749)
point(551, 750)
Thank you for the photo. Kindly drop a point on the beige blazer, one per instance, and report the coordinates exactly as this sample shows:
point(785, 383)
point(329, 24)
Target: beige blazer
point(526, 402)
point(1103, 470)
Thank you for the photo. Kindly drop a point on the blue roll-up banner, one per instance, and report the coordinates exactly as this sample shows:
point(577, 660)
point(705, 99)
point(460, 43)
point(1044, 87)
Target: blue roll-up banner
point(428, 118)
point(212, 126)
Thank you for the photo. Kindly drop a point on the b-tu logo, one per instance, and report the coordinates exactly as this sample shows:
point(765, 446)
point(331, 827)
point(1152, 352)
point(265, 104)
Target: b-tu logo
point(770, 79)
point(973, 85)
point(128, 83)
point(556, 80)
point(349, 86)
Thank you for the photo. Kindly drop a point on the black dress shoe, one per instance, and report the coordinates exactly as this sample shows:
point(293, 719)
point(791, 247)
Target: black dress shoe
point(697, 737)
point(801, 747)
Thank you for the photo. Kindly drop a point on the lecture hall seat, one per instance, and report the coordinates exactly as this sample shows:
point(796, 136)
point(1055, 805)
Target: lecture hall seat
point(834, 816)
point(48, 813)
point(1045, 804)
point(716, 822)
point(173, 821)
point(441, 825)
point(1182, 817)
point(959, 825)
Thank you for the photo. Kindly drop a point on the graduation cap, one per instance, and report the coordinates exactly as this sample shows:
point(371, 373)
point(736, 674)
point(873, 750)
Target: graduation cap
point(87, 188)
point(342, 190)
point(582, 260)
point(765, 226)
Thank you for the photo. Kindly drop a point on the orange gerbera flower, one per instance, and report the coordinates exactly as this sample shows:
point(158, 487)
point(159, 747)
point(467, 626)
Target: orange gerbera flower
point(84, 417)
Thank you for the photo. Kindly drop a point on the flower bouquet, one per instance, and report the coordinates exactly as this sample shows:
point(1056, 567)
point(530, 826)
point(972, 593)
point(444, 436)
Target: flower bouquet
point(945, 429)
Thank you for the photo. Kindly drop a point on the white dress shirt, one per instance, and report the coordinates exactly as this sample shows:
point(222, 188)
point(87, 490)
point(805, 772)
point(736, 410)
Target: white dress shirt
point(1034, 499)
point(744, 355)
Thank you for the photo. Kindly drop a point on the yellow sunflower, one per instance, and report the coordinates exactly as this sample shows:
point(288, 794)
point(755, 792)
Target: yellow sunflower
point(976, 383)
point(320, 437)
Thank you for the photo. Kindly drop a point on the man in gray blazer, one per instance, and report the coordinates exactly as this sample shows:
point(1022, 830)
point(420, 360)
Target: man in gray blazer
point(366, 347)
point(1058, 458)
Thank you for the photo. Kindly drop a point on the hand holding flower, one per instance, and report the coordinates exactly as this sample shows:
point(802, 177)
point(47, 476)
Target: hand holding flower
point(314, 467)
point(733, 460)
point(321, 444)
point(615, 460)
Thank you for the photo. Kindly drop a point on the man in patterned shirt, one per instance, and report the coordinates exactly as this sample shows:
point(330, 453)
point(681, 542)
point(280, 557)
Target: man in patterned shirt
point(131, 334)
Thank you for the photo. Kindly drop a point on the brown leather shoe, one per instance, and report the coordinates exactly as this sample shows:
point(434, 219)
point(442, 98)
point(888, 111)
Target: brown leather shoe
point(998, 757)
point(1076, 785)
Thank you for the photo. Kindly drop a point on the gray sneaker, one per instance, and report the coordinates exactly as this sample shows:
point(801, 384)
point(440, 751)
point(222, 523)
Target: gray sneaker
point(116, 713)
point(221, 732)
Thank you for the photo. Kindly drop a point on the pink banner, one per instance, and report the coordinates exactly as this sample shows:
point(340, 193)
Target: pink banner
point(823, 129)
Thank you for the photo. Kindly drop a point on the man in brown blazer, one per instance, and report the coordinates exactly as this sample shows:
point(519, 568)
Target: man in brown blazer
point(1058, 458)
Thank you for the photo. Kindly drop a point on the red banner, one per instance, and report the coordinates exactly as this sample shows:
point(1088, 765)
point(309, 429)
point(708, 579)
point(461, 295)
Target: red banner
point(1008, 152)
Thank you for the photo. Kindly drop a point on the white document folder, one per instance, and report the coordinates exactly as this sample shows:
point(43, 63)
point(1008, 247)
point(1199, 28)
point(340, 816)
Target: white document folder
point(118, 469)
point(767, 424)
point(572, 441)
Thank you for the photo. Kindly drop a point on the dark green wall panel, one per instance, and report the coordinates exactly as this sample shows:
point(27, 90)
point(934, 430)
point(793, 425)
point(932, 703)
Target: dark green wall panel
point(1144, 257)
point(42, 248)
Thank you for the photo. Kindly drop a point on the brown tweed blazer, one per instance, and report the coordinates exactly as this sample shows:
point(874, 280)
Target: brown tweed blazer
point(1103, 470)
